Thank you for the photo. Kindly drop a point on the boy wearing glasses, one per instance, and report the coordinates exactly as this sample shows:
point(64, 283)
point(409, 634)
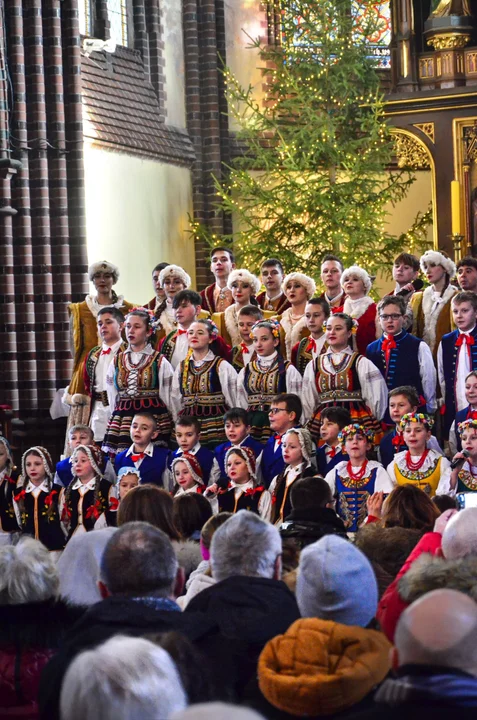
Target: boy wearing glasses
point(284, 414)
point(401, 358)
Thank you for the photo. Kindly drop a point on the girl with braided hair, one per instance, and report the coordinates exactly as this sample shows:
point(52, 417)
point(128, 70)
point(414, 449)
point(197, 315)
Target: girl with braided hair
point(89, 501)
point(36, 499)
point(264, 377)
point(204, 385)
point(297, 450)
point(138, 380)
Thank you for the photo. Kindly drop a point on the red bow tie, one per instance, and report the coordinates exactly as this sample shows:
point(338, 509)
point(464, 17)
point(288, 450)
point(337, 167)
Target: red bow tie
point(398, 440)
point(464, 338)
point(389, 344)
point(137, 457)
point(106, 352)
point(472, 415)
point(332, 451)
point(311, 347)
point(244, 347)
point(181, 332)
point(278, 439)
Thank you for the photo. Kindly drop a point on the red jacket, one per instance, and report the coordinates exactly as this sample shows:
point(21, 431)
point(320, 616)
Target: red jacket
point(391, 605)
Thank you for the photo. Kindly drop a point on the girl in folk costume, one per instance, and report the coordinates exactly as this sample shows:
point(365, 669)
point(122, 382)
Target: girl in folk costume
point(244, 286)
point(353, 481)
point(90, 501)
point(242, 492)
point(297, 449)
point(204, 385)
point(187, 475)
point(432, 307)
point(8, 480)
point(358, 305)
point(172, 279)
point(36, 499)
point(84, 334)
point(298, 288)
point(138, 379)
point(344, 378)
point(317, 312)
point(427, 469)
point(264, 377)
point(463, 478)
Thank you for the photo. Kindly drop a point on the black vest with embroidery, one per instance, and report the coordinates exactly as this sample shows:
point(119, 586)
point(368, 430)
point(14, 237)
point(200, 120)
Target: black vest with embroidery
point(38, 521)
point(85, 505)
point(282, 493)
point(169, 345)
point(8, 520)
point(303, 356)
point(261, 386)
point(247, 500)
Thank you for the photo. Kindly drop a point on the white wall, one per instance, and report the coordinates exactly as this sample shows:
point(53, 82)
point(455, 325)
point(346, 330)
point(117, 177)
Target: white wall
point(136, 217)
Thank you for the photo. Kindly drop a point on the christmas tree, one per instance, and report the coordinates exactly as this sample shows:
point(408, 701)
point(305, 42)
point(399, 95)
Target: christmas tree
point(313, 177)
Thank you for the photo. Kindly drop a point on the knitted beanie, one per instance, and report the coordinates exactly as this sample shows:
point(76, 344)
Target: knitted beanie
point(336, 582)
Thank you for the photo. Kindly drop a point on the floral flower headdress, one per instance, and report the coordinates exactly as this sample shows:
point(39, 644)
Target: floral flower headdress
point(272, 325)
point(355, 429)
point(466, 425)
point(416, 417)
point(148, 315)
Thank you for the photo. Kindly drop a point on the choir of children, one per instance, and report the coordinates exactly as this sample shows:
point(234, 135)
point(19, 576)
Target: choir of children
point(236, 394)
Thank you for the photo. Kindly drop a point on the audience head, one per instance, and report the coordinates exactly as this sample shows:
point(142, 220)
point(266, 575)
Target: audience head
point(440, 630)
point(336, 582)
point(460, 535)
point(28, 573)
point(139, 560)
point(218, 711)
point(122, 679)
point(409, 507)
point(190, 513)
point(148, 504)
point(78, 567)
point(445, 502)
point(246, 545)
point(310, 493)
point(208, 531)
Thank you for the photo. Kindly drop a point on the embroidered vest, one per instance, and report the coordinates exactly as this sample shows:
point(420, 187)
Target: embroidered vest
point(466, 482)
point(426, 480)
point(246, 501)
point(281, 502)
point(201, 389)
point(303, 357)
point(169, 345)
point(147, 372)
point(449, 361)
point(39, 523)
point(261, 386)
point(8, 521)
point(343, 384)
point(352, 496)
point(85, 510)
point(403, 362)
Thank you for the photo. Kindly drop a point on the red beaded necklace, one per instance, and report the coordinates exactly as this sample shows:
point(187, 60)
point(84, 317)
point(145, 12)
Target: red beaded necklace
point(356, 476)
point(415, 466)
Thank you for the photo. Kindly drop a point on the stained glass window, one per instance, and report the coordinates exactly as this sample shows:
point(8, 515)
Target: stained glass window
point(378, 16)
point(118, 21)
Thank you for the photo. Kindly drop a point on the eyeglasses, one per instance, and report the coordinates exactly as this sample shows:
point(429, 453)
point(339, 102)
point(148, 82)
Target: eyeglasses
point(274, 411)
point(393, 316)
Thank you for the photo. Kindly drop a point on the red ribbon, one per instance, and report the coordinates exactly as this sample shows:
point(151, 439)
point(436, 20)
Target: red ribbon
point(332, 452)
point(311, 346)
point(106, 352)
point(137, 457)
point(464, 338)
point(244, 347)
point(278, 439)
point(181, 332)
point(389, 344)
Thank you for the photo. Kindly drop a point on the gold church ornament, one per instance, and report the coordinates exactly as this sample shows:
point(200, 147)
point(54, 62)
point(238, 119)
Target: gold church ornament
point(410, 154)
point(448, 41)
point(428, 129)
point(445, 8)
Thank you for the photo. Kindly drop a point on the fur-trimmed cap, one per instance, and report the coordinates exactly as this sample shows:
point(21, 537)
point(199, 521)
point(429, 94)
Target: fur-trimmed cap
point(304, 438)
point(6, 444)
point(103, 266)
point(193, 465)
point(95, 456)
point(244, 276)
point(304, 280)
point(437, 258)
point(359, 272)
point(175, 271)
point(45, 456)
point(246, 454)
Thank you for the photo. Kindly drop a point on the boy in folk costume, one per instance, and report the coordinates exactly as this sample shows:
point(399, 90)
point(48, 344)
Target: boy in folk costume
point(358, 305)
point(457, 356)
point(243, 353)
point(467, 413)
point(159, 294)
point(263, 378)
point(405, 274)
point(84, 332)
point(90, 501)
point(299, 289)
point(244, 286)
point(110, 325)
point(401, 358)
point(217, 297)
point(331, 452)
point(432, 307)
point(78, 435)
point(297, 449)
point(188, 439)
point(353, 481)
point(8, 480)
point(237, 430)
point(150, 459)
point(317, 312)
point(187, 309)
point(272, 298)
point(418, 465)
point(331, 271)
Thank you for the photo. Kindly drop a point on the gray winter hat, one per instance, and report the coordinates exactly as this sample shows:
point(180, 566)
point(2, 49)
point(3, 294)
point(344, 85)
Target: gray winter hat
point(336, 582)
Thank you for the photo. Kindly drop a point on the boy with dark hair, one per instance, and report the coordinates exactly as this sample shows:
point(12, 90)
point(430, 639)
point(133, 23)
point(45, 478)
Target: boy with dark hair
point(467, 274)
point(143, 454)
point(237, 429)
point(285, 413)
point(330, 453)
point(401, 358)
point(273, 297)
point(457, 356)
point(159, 294)
point(331, 271)
point(405, 270)
point(217, 297)
point(317, 312)
point(312, 515)
point(243, 353)
point(188, 439)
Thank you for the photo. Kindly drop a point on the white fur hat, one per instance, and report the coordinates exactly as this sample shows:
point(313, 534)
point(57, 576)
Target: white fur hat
point(359, 272)
point(307, 282)
point(175, 271)
point(103, 266)
point(244, 276)
point(437, 258)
